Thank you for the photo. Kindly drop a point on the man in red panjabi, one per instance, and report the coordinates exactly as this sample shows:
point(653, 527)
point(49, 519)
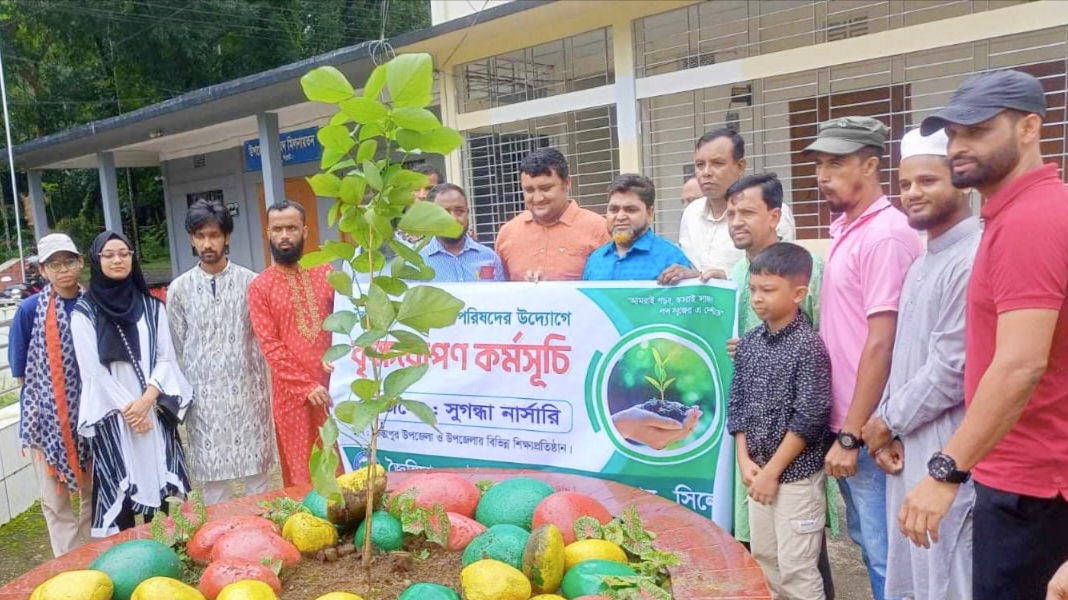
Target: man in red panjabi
point(288, 304)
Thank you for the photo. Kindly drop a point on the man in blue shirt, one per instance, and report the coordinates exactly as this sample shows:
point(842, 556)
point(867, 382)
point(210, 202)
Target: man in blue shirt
point(460, 258)
point(635, 252)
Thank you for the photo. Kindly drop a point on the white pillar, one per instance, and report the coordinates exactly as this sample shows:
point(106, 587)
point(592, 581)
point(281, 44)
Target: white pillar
point(37, 203)
point(109, 191)
point(274, 183)
point(454, 166)
point(627, 125)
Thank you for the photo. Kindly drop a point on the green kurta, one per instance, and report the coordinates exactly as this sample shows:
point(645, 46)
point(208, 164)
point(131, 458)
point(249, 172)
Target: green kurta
point(747, 320)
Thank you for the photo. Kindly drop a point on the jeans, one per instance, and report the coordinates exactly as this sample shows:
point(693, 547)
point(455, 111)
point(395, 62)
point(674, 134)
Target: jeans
point(865, 500)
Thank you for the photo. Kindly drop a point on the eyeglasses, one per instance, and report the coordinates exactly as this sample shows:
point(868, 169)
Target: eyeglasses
point(121, 255)
point(58, 266)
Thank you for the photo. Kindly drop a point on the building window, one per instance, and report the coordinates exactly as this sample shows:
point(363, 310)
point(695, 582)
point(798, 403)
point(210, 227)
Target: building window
point(572, 64)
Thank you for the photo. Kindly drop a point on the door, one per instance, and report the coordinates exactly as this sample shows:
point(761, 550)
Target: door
point(297, 190)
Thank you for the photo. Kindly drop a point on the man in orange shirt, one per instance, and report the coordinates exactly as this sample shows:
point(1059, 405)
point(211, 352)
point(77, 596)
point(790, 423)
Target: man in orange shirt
point(551, 240)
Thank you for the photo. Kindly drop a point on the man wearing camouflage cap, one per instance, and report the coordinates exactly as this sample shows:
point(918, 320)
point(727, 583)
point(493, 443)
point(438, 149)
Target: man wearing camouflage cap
point(1014, 437)
point(871, 251)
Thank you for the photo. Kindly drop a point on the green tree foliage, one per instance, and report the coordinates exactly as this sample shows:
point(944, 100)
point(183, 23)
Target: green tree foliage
point(70, 62)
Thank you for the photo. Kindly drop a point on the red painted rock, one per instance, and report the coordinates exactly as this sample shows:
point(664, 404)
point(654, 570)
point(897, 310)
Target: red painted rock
point(593, 598)
point(200, 545)
point(454, 493)
point(564, 508)
point(254, 545)
point(462, 530)
point(222, 573)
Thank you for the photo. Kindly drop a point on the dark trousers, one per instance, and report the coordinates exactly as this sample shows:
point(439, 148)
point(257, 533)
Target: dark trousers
point(125, 519)
point(1019, 542)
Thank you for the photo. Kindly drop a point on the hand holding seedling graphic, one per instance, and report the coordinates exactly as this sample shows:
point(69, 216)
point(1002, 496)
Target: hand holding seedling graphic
point(657, 422)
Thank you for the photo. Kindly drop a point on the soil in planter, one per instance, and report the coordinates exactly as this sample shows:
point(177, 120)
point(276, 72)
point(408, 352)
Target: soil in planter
point(666, 408)
point(392, 573)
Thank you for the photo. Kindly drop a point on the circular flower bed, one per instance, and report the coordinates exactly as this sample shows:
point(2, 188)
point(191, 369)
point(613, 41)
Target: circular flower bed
point(509, 535)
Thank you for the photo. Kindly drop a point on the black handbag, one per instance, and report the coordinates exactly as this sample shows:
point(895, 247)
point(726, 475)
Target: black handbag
point(168, 406)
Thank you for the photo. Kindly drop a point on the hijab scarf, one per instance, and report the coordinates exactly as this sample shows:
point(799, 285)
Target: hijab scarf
point(119, 303)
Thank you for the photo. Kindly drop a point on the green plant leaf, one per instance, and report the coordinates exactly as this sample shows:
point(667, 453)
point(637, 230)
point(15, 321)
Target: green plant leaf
point(335, 137)
point(365, 389)
point(375, 82)
point(377, 261)
point(341, 250)
point(330, 157)
point(657, 358)
point(360, 415)
point(653, 382)
point(326, 84)
point(416, 119)
point(333, 214)
point(372, 175)
point(380, 313)
point(400, 380)
point(341, 282)
point(340, 118)
point(410, 141)
point(325, 184)
point(364, 110)
point(421, 410)
point(324, 461)
point(371, 130)
point(367, 150)
point(337, 351)
point(410, 79)
point(348, 163)
point(406, 252)
point(392, 286)
point(588, 528)
point(316, 259)
point(342, 322)
point(365, 339)
point(406, 180)
point(442, 140)
point(429, 218)
point(380, 224)
point(352, 188)
point(410, 343)
point(669, 382)
point(426, 307)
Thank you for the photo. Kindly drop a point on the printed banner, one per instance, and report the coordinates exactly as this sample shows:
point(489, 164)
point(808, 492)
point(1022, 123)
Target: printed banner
point(297, 147)
point(623, 381)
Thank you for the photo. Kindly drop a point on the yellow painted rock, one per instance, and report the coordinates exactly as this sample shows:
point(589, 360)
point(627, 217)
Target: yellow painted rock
point(543, 559)
point(357, 480)
point(75, 585)
point(160, 588)
point(493, 580)
point(547, 597)
point(584, 550)
point(248, 589)
point(309, 533)
point(339, 596)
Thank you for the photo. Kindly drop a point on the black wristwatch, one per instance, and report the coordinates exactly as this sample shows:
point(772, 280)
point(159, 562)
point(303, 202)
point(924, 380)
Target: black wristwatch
point(849, 441)
point(943, 468)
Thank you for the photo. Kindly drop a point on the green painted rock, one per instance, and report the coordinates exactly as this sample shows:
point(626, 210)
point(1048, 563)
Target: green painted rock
point(503, 542)
point(512, 501)
point(587, 578)
point(130, 563)
point(428, 591)
point(315, 502)
point(386, 532)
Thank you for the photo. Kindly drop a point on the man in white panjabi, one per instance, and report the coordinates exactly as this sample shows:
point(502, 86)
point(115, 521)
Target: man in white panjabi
point(923, 403)
point(230, 430)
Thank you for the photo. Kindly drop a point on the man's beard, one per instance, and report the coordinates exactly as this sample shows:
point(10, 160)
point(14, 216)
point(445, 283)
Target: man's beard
point(289, 256)
point(942, 213)
point(626, 237)
point(993, 170)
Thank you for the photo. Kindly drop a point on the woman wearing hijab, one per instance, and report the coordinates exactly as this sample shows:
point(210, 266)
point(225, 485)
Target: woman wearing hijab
point(127, 361)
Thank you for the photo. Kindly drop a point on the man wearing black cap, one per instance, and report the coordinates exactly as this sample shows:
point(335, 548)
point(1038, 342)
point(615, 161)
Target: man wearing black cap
point(1014, 438)
point(872, 249)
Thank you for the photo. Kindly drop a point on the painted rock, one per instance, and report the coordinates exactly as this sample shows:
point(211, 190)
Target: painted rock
point(339, 596)
point(250, 589)
point(543, 559)
point(587, 578)
point(316, 504)
point(512, 501)
point(356, 481)
point(222, 573)
point(504, 542)
point(75, 585)
point(200, 545)
point(165, 588)
point(428, 591)
point(453, 492)
point(564, 508)
point(584, 550)
point(462, 530)
point(548, 597)
point(254, 545)
point(130, 563)
point(493, 580)
point(309, 533)
point(386, 532)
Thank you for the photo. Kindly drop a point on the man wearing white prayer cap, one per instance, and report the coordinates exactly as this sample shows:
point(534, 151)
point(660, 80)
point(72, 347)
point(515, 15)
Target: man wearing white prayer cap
point(923, 403)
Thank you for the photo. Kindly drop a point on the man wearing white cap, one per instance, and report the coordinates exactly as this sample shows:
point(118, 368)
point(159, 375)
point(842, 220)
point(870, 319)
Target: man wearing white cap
point(41, 355)
point(923, 403)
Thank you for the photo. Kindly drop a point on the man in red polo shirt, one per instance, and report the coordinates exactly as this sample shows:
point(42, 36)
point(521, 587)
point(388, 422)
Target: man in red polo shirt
point(1014, 437)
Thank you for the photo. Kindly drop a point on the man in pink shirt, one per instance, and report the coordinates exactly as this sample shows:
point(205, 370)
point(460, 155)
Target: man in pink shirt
point(1014, 436)
point(872, 249)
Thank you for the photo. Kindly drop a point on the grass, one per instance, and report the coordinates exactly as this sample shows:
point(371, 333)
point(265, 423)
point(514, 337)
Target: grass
point(9, 398)
point(23, 544)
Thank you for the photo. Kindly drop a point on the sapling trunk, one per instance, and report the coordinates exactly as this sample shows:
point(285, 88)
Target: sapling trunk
point(368, 547)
